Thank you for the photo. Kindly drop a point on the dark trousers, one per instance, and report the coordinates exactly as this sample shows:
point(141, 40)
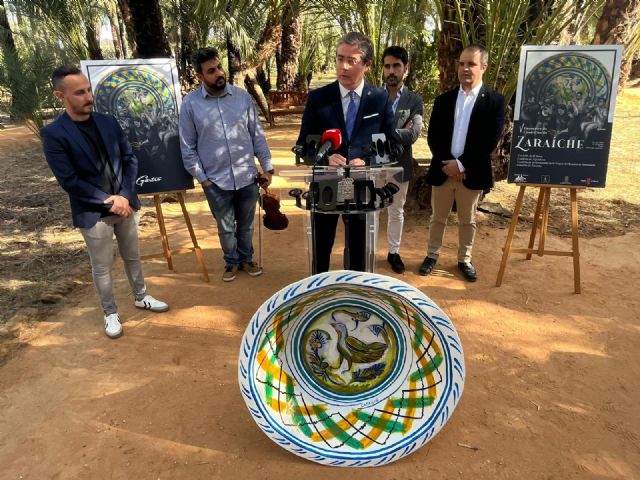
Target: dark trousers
point(325, 225)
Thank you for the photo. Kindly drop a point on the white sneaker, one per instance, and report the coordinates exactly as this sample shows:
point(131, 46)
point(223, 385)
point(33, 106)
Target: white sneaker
point(112, 327)
point(150, 303)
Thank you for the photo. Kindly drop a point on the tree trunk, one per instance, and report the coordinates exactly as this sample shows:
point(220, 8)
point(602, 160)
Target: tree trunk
point(234, 60)
point(449, 48)
point(246, 70)
point(149, 29)
point(253, 87)
point(11, 61)
point(187, 43)
point(616, 26)
point(129, 25)
point(267, 45)
point(290, 46)
point(93, 27)
point(115, 33)
point(6, 35)
point(264, 79)
point(123, 41)
point(635, 69)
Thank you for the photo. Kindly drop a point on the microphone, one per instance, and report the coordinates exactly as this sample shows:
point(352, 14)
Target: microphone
point(298, 151)
point(331, 140)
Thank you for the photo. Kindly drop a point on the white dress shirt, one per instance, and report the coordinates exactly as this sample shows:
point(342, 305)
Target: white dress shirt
point(464, 107)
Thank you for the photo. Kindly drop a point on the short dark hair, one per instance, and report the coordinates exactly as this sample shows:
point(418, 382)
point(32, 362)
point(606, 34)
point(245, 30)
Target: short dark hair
point(474, 47)
point(398, 52)
point(59, 74)
point(203, 55)
point(361, 42)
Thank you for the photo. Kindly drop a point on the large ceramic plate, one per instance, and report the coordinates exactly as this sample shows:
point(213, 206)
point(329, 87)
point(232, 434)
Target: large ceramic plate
point(351, 369)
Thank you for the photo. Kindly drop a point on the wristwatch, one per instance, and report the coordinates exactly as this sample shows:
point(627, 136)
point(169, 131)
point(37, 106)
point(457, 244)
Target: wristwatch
point(271, 172)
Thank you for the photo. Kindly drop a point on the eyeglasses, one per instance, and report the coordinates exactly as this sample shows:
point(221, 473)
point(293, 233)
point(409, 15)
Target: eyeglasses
point(351, 61)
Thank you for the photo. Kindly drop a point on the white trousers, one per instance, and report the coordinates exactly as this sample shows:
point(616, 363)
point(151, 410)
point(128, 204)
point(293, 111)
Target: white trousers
point(395, 217)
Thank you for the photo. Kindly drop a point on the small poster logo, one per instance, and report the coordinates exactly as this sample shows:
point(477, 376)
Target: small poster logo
point(545, 178)
point(147, 179)
point(520, 178)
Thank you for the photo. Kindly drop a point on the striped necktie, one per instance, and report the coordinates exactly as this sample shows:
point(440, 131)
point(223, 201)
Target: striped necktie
point(352, 110)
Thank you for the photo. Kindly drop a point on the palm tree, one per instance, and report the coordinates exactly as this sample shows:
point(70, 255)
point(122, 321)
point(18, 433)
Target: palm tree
point(149, 29)
point(251, 31)
point(383, 21)
point(508, 25)
point(503, 26)
point(74, 23)
point(11, 60)
point(619, 24)
point(127, 20)
point(290, 46)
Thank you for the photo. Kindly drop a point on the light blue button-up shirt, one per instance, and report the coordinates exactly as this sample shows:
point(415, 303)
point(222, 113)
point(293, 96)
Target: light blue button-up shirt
point(220, 136)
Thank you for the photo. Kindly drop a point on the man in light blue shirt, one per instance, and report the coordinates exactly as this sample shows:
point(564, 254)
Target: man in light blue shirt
point(220, 134)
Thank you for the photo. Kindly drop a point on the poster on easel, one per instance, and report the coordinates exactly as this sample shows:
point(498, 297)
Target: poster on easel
point(144, 96)
point(563, 116)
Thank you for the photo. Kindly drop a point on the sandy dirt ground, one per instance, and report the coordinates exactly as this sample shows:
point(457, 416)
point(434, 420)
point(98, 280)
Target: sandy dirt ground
point(552, 377)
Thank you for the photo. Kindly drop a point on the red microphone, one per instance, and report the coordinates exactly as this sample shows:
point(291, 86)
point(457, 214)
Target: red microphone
point(331, 140)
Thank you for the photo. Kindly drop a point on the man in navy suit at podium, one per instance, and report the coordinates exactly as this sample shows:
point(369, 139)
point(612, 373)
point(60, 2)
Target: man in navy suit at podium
point(359, 110)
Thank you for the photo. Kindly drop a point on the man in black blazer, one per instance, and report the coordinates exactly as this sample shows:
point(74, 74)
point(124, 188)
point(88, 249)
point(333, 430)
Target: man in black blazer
point(464, 129)
point(92, 160)
point(408, 111)
point(359, 110)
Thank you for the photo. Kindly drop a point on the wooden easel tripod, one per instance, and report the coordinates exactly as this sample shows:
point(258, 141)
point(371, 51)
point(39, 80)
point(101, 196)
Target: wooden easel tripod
point(167, 252)
point(542, 215)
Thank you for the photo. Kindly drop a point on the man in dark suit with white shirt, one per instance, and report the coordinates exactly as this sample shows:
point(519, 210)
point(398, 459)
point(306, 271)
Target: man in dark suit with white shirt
point(92, 160)
point(408, 112)
point(464, 129)
point(359, 110)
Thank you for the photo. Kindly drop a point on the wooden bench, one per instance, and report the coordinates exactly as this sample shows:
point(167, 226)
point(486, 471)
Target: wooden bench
point(285, 102)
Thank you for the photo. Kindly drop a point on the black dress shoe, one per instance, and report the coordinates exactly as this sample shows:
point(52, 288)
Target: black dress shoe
point(468, 272)
point(427, 266)
point(397, 265)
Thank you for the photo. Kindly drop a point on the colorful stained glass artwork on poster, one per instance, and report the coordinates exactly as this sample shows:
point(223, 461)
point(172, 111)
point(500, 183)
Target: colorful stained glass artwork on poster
point(351, 369)
point(144, 96)
point(563, 117)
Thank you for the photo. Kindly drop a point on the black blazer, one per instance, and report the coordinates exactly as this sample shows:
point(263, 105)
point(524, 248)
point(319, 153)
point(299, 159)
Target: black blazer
point(79, 173)
point(410, 107)
point(323, 111)
point(485, 128)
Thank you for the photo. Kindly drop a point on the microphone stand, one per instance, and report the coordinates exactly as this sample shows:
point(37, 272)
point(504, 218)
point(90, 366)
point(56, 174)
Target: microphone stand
point(314, 245)
point(347, 251)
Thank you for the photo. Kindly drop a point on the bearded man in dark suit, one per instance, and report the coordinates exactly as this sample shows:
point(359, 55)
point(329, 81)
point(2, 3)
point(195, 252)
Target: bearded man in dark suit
point(408, 111)
point(92, 160)
point(464, 129)
point(359, 110)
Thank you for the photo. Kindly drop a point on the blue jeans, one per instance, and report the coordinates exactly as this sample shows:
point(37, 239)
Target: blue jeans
point(234, 211)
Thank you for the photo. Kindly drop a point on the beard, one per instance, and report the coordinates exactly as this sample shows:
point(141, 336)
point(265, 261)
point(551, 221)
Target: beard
point(391, 80)
point(84, 109)
point(218, 85)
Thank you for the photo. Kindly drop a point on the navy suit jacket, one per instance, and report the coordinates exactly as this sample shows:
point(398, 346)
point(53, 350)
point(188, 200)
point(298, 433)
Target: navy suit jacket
point(323, 111)
point(485, 128)
point(79, 173)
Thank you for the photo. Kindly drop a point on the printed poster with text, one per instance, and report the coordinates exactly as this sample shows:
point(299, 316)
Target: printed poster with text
point(563, 115)
point(144, 96)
